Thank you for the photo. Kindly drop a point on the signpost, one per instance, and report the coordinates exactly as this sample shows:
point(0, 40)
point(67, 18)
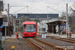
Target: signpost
point(1, 33)
point(5, 37)
point(5, 24)
point(1, 37)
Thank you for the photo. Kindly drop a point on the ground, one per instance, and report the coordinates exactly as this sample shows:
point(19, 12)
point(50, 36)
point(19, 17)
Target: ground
point(12, 42)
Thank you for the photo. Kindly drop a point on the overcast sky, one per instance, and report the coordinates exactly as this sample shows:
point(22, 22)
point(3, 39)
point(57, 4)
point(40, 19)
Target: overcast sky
point(37, 6)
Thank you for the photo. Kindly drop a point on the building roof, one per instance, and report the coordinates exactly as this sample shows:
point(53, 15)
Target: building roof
point(51, 20)
point(55, 20)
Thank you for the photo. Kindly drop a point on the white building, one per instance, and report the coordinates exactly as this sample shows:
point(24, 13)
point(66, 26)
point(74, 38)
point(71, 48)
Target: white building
point(42, 26)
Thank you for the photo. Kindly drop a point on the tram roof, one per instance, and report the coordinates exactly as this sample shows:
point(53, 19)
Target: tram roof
point(29, 22)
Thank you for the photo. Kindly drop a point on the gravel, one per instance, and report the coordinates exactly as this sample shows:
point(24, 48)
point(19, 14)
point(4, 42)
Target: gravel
point(60, 43)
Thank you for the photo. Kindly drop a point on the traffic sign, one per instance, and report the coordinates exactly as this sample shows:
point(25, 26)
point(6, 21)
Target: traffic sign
point(1, 26)
point(5, 23)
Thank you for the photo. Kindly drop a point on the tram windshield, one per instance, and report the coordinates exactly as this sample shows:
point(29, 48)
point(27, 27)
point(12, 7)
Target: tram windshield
point(29, 28)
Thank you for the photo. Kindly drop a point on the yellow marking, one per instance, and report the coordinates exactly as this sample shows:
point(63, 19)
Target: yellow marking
point(13, 47)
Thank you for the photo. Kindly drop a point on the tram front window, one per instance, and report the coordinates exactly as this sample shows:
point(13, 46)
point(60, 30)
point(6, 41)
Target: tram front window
point(29, 28)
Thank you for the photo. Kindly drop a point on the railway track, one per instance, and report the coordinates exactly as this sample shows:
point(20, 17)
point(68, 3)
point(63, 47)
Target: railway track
point(39, 48)
point(26, 44)
point(44, 45)
point(66, 40)
point(62, 39)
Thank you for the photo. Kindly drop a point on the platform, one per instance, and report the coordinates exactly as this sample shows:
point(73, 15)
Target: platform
point(62, 36)
point(12, 36)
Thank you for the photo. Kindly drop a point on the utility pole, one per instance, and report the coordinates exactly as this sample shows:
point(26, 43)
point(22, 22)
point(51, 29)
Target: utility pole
point(17, 24)
point(27, 9)
point(8, 19)
point(66, 19)
point(47, 18)
point(8, 26)
point(13, 26)
point(8, 14)
point(11, 19)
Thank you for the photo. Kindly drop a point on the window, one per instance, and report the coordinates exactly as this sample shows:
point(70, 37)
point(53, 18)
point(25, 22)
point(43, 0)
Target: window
point(29, 28)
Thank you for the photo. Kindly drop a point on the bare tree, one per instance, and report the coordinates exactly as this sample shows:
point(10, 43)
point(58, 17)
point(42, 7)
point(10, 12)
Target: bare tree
point(63, 14)
point(73, 5)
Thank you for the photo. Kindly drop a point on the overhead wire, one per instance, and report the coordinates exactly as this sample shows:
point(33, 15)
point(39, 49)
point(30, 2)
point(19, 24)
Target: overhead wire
point(55, 9)
point(19, 10)
point(30, 5)
point(33, 4)
point(22, 8)
point(59, 4)
point(19, 6)
point(45, 9)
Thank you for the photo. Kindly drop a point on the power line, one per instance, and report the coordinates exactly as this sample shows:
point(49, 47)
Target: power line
point(19, 10)
point(54, 9)
point(22, 8)
point(33, 4)
point(60, 3)
point(17, 6)
point(46, 9)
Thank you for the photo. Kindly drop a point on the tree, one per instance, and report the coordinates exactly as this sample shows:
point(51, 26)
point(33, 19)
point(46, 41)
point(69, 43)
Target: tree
point(63, 14)
point(73, 5)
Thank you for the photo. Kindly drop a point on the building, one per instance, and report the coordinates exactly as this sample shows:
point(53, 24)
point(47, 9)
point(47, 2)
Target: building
point(52, 25)
point(9, 27)
point(38, 16)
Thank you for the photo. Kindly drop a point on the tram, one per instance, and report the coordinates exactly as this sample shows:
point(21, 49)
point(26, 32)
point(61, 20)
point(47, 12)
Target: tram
point(29, 29)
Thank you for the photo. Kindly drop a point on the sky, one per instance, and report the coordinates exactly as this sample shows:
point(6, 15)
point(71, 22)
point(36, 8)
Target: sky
point(37, 6)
